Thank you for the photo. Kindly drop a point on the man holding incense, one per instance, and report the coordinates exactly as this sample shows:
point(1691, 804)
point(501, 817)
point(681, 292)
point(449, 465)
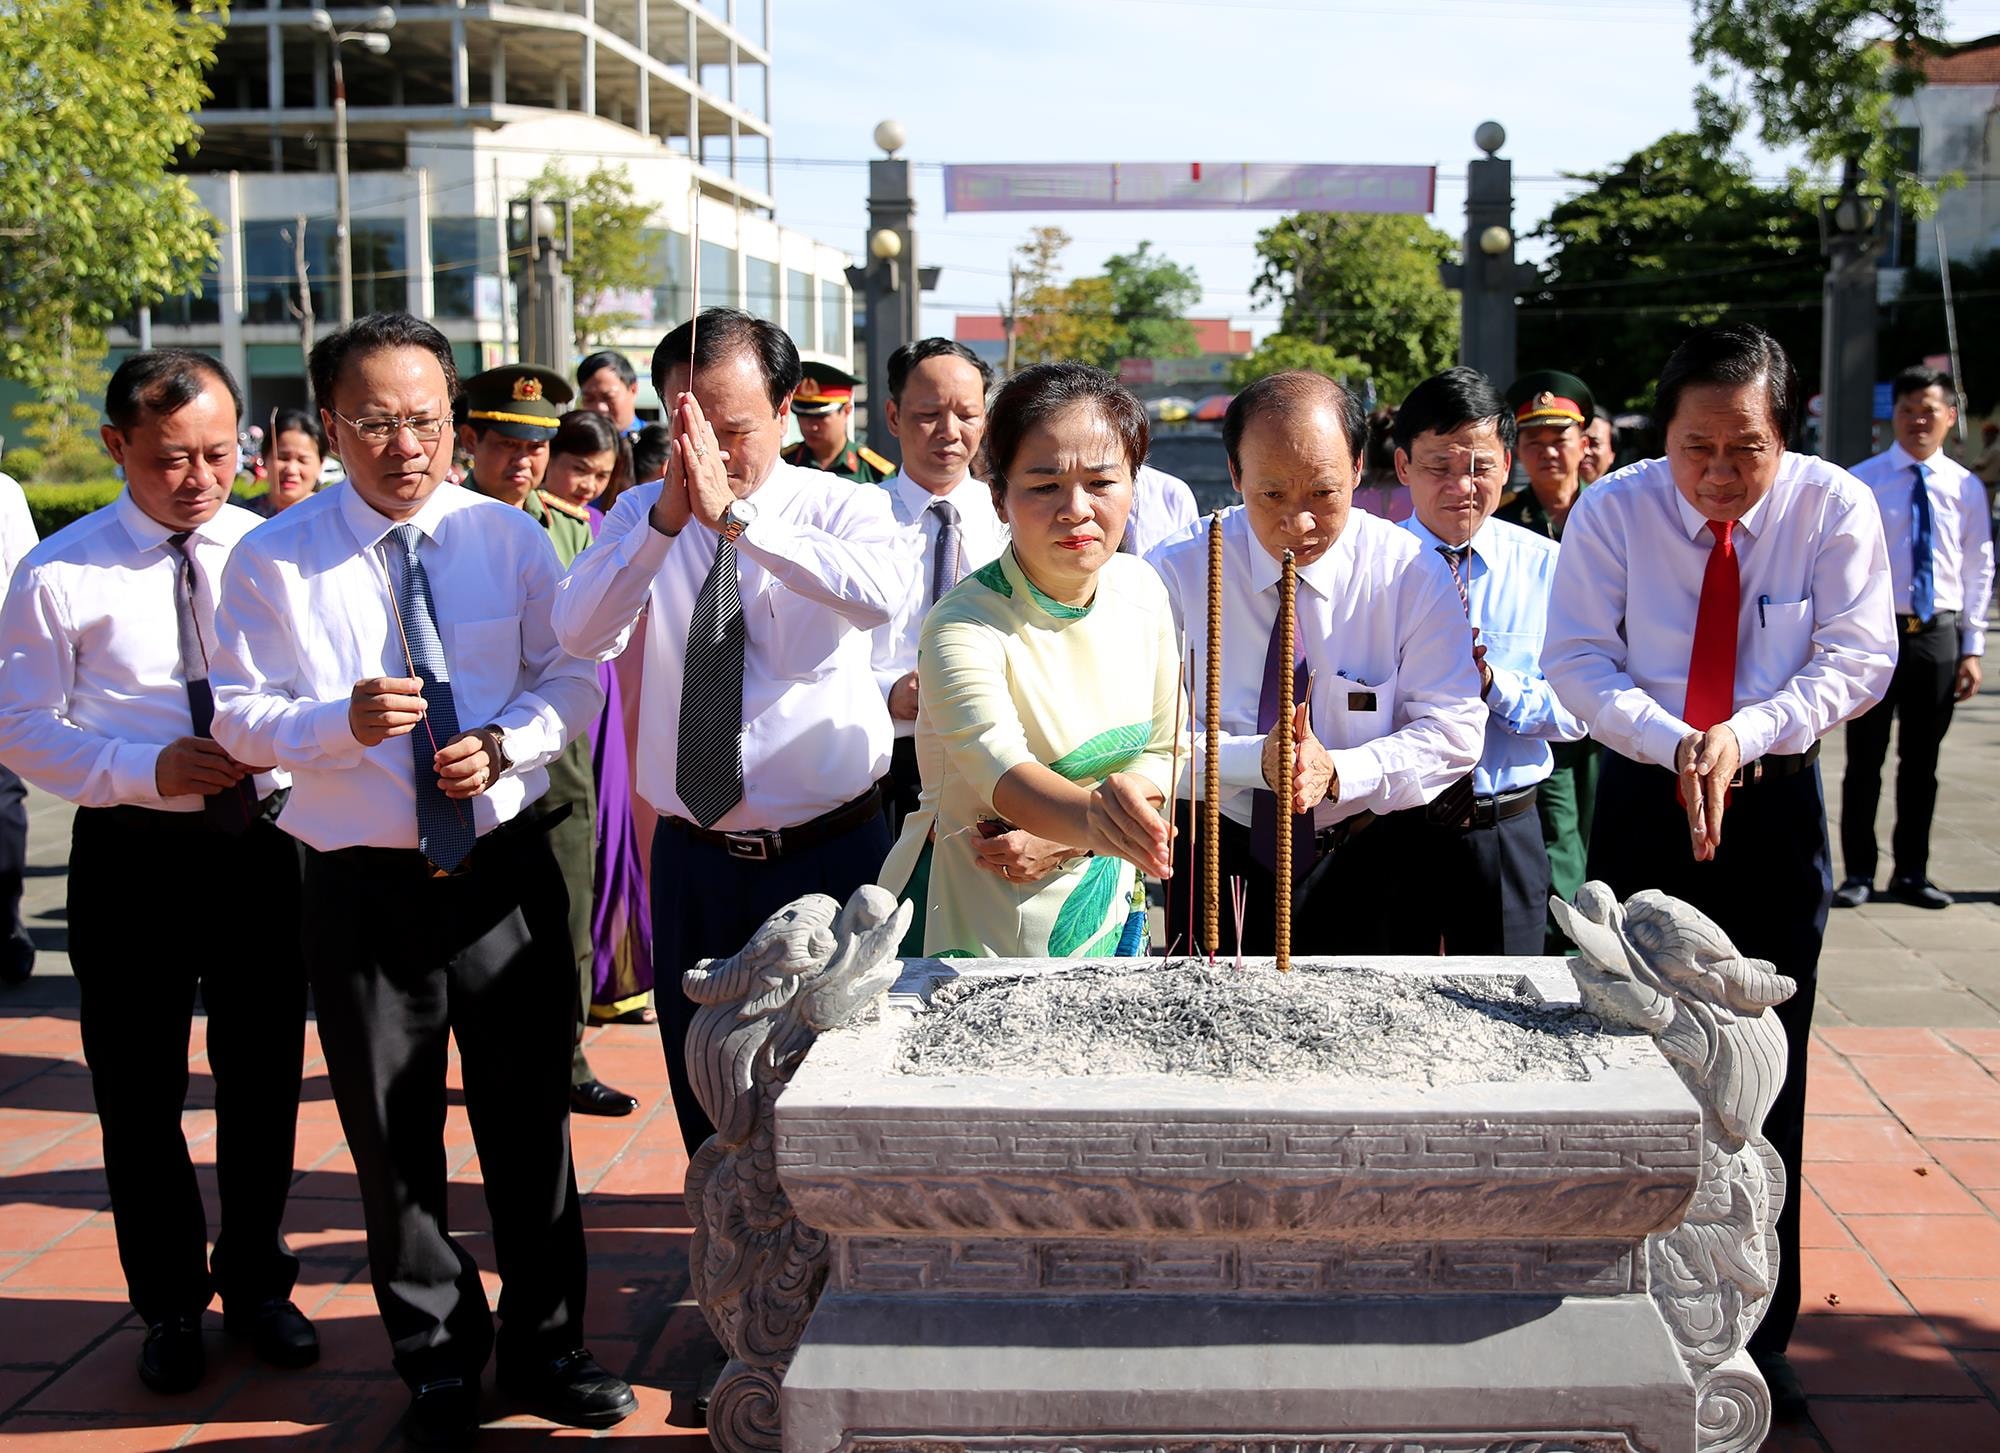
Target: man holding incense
point(1389, 711)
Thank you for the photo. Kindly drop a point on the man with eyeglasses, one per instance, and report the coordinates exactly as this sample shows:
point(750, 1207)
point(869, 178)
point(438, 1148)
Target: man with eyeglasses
point(389, 641)
point(1454, 445)
point(105, 700)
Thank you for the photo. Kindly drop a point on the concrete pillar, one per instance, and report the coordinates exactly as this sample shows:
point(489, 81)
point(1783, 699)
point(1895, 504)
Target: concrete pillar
point(694, 88)
point(232, 296)
point(641, 39)
point(499, 71)
point(422, 290)
point(590, 57)
point(461, 65)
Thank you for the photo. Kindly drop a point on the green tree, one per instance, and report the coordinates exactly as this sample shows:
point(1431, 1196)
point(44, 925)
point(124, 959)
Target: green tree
point(610, 255)
point(96, 103)
point(1365, 285)
point(1055, 320)
point(1671, 237)
point(1150, 298)
point(1282, 352)
point(1822, 74)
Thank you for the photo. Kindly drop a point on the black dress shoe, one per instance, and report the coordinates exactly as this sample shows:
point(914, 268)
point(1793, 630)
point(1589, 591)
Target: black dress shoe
point(278, 1331)
point(171, 1360)
point(594, 1097)
point(1853, 892)
point(1919, 891)
point(572, 1389)
point(1788, 1395)
point(444, 1413)
point(17, 959)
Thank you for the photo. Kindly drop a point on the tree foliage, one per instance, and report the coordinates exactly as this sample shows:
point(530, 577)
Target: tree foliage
point(1281, 352)
point(1823, 74)
point(610, 256)
point(1366, 287)
point(1135, 309)
point(1671, 237)
point(96, 101)
point(1150, 298)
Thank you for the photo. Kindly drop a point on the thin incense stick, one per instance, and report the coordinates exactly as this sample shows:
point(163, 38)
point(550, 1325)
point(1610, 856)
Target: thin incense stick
point(1288, 596)
point(1212, 775)
point(1194, 835)
point(1174, 782)
point(694, 254)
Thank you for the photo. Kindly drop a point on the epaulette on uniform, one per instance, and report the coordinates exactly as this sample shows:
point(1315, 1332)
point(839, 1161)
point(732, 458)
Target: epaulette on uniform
point(875, 459)
point(567, 507)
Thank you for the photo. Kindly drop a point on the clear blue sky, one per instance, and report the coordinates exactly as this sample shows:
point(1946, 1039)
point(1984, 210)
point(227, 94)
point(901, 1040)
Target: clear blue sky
point(1579, 84)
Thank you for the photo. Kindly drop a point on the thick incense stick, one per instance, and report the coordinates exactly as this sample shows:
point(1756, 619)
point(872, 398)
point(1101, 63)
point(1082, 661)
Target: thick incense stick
point(1288, 626)
point(694, 289)
point(1211, 806)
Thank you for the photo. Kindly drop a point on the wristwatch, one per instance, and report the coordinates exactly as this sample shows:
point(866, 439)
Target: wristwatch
point(740, 515)
point(496, 748)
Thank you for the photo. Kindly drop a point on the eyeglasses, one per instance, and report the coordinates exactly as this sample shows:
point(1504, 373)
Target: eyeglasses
point(381, 428)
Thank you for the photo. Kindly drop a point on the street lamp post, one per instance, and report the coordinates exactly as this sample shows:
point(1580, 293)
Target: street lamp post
point(1851, 238)
point(1489, 281)
point(375, 43)
point(890, 283)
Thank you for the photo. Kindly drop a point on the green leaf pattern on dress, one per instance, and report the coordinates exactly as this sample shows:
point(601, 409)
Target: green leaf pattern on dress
point(1101, 755)
point(1081, 920)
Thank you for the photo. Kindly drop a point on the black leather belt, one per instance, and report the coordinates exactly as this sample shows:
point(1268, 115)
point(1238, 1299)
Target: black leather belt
point(1332, 839)
point(763, 847)
point(1911, 625)
point(1771, 768)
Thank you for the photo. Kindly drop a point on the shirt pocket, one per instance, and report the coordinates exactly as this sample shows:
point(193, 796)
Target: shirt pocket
point(1361, 712)
point(485, 659)
point(804, 634)
point(1784, 637)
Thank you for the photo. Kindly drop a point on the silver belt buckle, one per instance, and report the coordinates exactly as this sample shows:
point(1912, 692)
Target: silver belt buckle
point(753, 847)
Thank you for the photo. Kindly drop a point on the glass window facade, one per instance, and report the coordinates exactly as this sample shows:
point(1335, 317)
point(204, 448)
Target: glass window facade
point(465, 267)
point(760, 287)
point(799, 307)
point(718, 275)
point(833, 319)
point(270, 271)
point(671, 301)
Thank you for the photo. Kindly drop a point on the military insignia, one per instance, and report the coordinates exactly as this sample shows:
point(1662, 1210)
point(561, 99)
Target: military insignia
point(1544, 399)
point(527, 389)
point(808, 392)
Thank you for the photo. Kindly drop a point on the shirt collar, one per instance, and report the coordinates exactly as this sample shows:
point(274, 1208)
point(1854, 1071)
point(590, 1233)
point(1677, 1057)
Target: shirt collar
point(1481, 543)
point(1904, 461)
point(1266, 570)
point(1695, 523)
point(369, 527)
point(916, 499)
point(147, 533)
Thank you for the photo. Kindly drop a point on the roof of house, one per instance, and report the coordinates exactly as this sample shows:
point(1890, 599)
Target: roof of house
point(1972, 63)
point(1211, 335)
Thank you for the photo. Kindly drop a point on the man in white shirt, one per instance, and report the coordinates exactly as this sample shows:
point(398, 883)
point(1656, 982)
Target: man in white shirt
point(1163, 508)
point(936, 411)
point(1389, 712)
point(17, 950)
point(1716, 612)
point(388, 641)
point(764, 731)
point(1940, 541)
point(178, 881)
point(1485, 859)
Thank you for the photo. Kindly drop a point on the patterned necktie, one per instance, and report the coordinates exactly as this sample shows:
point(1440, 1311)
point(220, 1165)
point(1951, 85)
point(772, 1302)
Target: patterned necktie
point(233, 809)
point(946, 554)
point(1923, 582)
point(1263, 801)
point(445, 832)
point(708, 763)
point(1711, 690)
point(1455, 557)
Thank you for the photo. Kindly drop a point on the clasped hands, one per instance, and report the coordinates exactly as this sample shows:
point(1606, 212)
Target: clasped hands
point(1706, 763)
point(1120, 819)
point(696, 486)
point(391, 706)
point(1313, 779)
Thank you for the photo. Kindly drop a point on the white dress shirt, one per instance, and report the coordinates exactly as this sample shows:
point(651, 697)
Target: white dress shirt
point(308, 610)
point(1162, 507)
point(981, 539)
point(1961, 536)
point(1395, 698)
point(90, 657)
point(823, 565)
point(1508, 577)
point(17, 526)
point(1815, 636)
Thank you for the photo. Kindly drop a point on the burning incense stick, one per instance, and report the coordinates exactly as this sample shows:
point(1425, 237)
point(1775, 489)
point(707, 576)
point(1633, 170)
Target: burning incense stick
point(1288, 629)
point(1212, 773)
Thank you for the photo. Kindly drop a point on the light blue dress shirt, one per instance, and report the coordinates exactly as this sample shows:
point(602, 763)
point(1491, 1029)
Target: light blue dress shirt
point(1509, 575)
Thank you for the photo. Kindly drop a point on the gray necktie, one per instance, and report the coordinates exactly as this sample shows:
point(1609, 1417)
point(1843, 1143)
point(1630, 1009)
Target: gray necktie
point(708, 757)
point(445, 831)
point(234, 810)
point(946, 555)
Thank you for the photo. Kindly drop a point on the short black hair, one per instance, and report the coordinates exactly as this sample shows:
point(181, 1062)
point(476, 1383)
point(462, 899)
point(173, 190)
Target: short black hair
point(163, 381)
point(649, 453)
point(609, 358)
point(903, 362)
point(722, 333)
point(583, 431)
point(1291, 389)
point(1447, 402)
point(377, 333)
point(1918, 377)
point(294, 421)
point(1732, 355)
point(1040, 392)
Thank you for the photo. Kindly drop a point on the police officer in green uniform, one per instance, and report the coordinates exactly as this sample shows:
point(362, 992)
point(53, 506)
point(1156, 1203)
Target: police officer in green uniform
point(507, 417)
point(1551, 411)
point(824, 406)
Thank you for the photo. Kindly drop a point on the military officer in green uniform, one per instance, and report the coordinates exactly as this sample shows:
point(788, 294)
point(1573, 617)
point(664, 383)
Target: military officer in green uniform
point(824, 406)
point(1551, 411)
point(507, 417)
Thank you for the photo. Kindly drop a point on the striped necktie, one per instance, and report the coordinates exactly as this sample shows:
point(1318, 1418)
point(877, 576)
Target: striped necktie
point(233, 809)
point(445, 831)
point(708, 755)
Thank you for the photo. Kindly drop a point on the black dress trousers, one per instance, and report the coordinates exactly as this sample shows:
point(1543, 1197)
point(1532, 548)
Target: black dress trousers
point(1920, 699)
point(13, 867)
point(1485, 889)
point(402, 962)
point(1768, 887)
point(162, 908)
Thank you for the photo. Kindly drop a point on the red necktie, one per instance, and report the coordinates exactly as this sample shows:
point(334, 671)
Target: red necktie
point(1711, 693)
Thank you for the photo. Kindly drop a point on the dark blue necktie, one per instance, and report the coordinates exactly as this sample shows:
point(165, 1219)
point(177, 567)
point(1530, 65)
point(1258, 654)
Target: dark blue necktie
point(235, 808)
point(1264, 803)
point(444, 827)
point(1923, 585)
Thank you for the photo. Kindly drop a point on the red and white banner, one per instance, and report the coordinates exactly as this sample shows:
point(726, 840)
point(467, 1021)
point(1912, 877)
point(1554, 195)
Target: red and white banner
point(1188, 186)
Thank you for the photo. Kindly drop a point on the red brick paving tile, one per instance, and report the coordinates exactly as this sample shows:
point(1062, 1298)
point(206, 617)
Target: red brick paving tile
point(1852, 1040)
point(44, 1329)
point(1876, 1356)
point(1869, 1188)
point(1939, 1074)
point(1992, 1200)
point(1893, 1427)
point(1975, 1162)
point(306, 1413)
point(1860, 1137)
point(1974, 1041)
point(1986, 1367)
point(683, 1351)
point(667, 1213)
point(351, 1340)
point(647, 1171)
point(1838, 1091)
point(1819, 1227)
point(1947, 1114)
point(82, 1269)
point(30, 1226)
point(43, 1434)
point(15, 1386)
point(650, 1421)
point(1964, 1311)
point(1792, 1439)
point(106, 1381)
point(1930, 1246)
point(1850, 1279)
